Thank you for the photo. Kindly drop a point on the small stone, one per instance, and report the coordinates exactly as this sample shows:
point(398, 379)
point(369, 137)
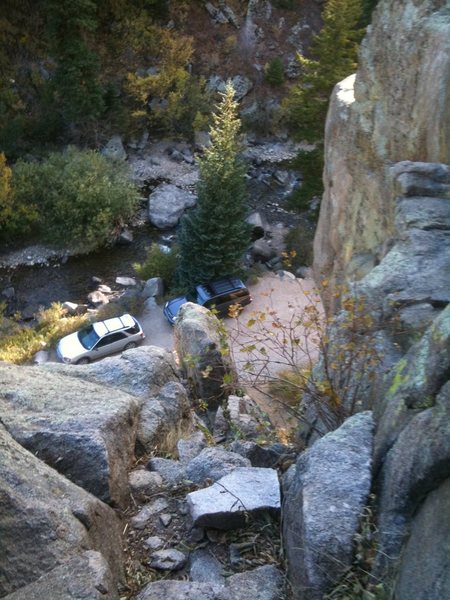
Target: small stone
point(165, 519)
point(235, 555)
point(196, 535)
point(104, 289)
point(144, 483)
point(154, 542)
point(214, 536)
point(168, 560)
point(126, 281)
point(141, 519)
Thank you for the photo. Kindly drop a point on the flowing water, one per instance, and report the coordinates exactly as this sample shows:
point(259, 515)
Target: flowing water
point(36, 286)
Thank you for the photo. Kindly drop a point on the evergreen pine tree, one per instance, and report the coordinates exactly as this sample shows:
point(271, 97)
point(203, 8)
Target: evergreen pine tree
point(78, 93)
point(334, 52)
point(215, 235)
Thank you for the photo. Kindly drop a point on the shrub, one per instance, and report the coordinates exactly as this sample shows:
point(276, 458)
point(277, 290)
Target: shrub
point(299, 245)
point(158, 264)
point(80, 196)
point(310, 163)
point(274, 72)
point(19, 343)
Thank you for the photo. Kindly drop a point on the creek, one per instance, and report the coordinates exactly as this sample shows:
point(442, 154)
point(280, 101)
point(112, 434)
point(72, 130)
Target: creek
point(71, 280)
point(36, 286)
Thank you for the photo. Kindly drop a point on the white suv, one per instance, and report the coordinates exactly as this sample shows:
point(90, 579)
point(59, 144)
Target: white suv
point(100, 339)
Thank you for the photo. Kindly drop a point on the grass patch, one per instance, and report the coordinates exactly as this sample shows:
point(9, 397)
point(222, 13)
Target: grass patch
point(19, 342)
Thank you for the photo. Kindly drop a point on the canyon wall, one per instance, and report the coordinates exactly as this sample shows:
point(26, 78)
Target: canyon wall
point(395, 108)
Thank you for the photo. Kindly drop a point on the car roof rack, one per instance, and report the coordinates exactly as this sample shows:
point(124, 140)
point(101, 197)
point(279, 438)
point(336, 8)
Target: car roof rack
point(113, 324)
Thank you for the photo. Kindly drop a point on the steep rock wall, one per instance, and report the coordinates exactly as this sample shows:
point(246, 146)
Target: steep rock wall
point(395, 108)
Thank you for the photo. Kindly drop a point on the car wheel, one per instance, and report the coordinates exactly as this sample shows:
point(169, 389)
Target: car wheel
point(130, 345)
point(83, 361)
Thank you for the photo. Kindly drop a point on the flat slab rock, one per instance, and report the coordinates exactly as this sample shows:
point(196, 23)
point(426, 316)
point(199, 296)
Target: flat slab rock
point(225, 504)
point(263, 583)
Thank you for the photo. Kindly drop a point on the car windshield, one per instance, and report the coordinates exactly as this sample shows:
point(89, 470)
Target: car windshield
point(88, 338)
point(192, 297)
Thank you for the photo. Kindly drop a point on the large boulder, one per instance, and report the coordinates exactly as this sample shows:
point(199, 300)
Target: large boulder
point(262, 583)
point(141, 372)
point(412, 282)
point(417, 463)
point(412, 385)
point(86, 576)
point(213, 464)
point(375, 120)
point(161, 414)
point(45, 521)
point(322, 506)
point(424, 572)
point(246, 491)
point(85, 431)
point(167, 204)
point(201, 344)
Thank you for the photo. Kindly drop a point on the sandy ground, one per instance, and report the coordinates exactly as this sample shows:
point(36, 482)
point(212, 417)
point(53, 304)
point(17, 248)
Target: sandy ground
point(282, 300)
point(283, 295)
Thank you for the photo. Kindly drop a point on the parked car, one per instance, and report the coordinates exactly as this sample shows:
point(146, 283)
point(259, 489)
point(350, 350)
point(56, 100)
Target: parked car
point(100, 339)
point(219, 294)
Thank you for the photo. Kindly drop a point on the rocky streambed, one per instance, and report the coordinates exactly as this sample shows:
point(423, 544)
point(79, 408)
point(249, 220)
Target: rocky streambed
point(35, 276)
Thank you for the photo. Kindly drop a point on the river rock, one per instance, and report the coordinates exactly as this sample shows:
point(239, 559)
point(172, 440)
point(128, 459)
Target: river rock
point(225, 504)
point(125, 238)
point(46, 520)
point(213, 464)
point(97, 298)
point(126, 281)
point(83, 577)
point(114, 149)
point(40, 357)
point(168, 560)
point(153, 287)
point(167, 204)
point(322, 506)
point(259, 225)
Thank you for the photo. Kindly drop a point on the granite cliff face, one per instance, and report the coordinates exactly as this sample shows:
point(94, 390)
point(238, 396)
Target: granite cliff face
point(384, 232)
point(396, 108)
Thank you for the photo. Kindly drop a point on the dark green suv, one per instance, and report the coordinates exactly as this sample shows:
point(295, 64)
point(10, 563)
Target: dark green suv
point(219, 294)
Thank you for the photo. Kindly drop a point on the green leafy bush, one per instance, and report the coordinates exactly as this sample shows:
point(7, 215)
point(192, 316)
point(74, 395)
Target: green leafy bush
point(274, 72)
point(158, 264)
point(80, 196)
point(310, 163)
point(299, 245)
